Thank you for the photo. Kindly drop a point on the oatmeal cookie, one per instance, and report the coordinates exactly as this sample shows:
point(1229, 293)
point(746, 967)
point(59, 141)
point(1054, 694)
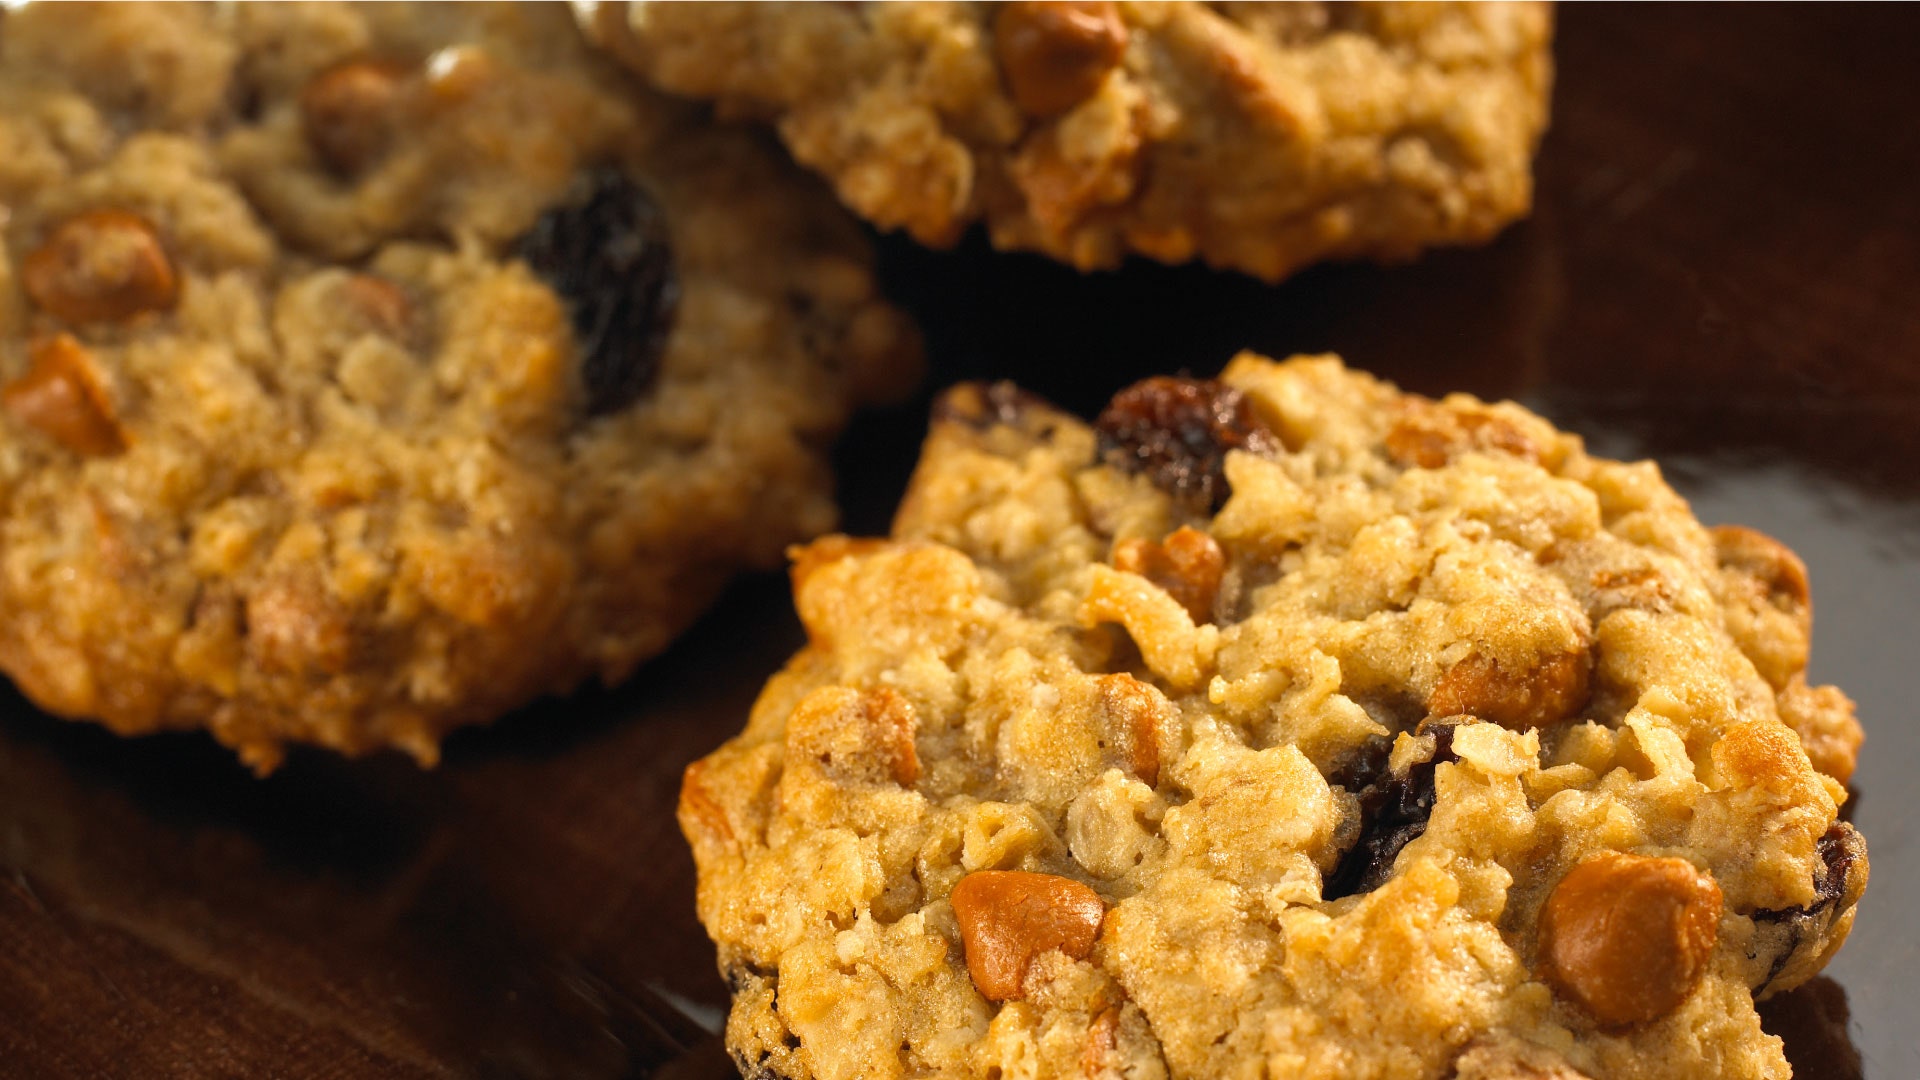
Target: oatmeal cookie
point(1254, 136)
point(1279, 725)
point(368, 371)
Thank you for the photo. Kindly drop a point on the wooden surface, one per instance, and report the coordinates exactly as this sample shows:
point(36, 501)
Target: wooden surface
point(1723, 272)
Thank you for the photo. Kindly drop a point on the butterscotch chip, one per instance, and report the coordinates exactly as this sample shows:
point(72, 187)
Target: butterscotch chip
point(1260, 137)
point(1054, 53)
point(1541, 695)
point(60, 396)
point(351, 112)
point(354, 399)
point(1188, 564)
point(1135, 717)
point(1627, 936)
point(101, 266)
point(1338, 753)
point(1008, 917)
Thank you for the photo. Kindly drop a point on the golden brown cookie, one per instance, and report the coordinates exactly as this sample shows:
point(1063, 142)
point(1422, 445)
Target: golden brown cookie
point(1255, 136)
point(1282, 725)
point(370, 370)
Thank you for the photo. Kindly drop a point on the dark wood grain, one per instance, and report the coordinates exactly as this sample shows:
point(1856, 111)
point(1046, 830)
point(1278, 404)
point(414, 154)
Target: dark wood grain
point(1723, 272)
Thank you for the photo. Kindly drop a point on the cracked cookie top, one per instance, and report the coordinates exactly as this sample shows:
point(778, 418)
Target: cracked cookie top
point(369, 370)
point(1253, 136)
point(1280, 724)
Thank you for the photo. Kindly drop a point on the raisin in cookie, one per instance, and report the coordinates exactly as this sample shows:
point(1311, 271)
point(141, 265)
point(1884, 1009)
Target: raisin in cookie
point(1258, 137)
point(367, 371)
point(1284, 725)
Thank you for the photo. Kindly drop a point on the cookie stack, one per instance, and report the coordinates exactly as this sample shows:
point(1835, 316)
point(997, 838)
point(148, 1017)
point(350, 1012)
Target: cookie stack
point(368, 371)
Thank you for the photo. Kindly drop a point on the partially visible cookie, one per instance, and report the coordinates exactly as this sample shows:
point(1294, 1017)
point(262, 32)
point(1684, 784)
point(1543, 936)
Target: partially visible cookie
point(1279, 725)
point(1253, 136)
point(370, 370)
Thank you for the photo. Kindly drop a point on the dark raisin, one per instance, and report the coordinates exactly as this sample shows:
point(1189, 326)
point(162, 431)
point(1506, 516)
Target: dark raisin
point(1365, 767)
point(1786, 932)
point(1840, 848)
point(1177, 432)
point(1393, 810)
point(606, 253)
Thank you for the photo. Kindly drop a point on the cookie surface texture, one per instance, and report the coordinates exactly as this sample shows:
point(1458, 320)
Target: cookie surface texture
point(368, 371)
point(1257, 137)
point(1279, 725)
